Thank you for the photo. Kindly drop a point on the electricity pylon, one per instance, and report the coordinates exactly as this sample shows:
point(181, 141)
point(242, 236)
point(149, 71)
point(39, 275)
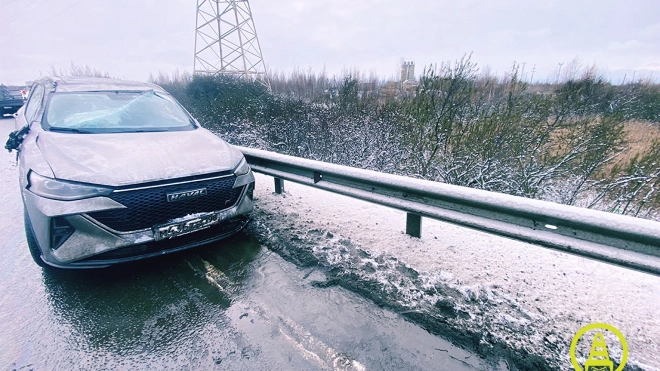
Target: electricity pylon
point(226, 40)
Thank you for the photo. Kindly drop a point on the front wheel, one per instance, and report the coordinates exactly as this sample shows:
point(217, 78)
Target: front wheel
point(35, 251)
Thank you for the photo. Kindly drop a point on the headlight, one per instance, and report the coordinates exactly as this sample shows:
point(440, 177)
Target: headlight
point(242, 168)
point(62, 190)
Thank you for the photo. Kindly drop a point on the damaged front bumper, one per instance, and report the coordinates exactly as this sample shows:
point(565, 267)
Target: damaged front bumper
point(69, 238)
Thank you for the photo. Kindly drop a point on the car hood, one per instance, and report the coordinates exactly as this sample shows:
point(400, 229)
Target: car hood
point(132, 158)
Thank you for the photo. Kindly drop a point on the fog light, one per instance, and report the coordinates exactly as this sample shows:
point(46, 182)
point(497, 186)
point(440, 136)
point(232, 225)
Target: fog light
point(60, 231)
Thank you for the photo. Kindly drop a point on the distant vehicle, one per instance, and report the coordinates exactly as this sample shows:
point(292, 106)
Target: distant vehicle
point(10, 101)
point(113, 171)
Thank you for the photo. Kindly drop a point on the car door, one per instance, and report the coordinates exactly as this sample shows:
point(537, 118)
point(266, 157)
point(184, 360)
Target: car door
point(28, 128)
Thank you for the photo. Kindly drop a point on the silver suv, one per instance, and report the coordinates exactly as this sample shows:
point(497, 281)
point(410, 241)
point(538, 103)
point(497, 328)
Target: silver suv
point(113, 171)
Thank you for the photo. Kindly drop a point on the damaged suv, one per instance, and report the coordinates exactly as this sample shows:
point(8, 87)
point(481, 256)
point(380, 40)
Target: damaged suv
point(113, 171)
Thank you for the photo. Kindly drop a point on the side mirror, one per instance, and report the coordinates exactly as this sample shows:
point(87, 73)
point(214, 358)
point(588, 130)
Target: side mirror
point(16, 138)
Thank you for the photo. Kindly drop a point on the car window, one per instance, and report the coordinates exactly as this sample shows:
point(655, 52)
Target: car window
point(115, 111)
point(34, 103)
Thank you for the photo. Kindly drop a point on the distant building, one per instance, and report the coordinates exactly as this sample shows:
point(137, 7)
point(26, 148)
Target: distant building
point(407, 71)
point(408, 79)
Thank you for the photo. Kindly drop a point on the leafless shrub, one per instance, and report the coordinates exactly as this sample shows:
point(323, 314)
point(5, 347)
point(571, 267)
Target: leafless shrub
point(78, 70)
point(561, 142)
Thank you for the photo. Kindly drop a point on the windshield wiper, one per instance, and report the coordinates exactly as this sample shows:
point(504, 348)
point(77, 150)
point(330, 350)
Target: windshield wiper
point(143, 130)
point(105, 130)
point(159, 96)
point(69, 130)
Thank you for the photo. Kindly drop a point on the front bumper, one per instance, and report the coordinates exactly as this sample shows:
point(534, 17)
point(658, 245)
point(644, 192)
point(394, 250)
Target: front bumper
point(95, 245)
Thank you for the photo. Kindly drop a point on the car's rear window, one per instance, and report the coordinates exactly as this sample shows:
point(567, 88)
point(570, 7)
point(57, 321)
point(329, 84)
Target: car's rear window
point(105, 112)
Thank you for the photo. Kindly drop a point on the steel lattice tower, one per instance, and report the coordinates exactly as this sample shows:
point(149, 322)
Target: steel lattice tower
point(226, 40)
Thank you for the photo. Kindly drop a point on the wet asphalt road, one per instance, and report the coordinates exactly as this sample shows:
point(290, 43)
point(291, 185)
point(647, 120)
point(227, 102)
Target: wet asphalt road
point(230, 305)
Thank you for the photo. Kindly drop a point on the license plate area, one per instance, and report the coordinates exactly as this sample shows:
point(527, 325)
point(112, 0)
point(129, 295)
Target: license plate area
point(171, 230)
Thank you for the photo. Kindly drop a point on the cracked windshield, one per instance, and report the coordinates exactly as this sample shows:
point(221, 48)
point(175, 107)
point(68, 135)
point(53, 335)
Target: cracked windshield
point(330, 185)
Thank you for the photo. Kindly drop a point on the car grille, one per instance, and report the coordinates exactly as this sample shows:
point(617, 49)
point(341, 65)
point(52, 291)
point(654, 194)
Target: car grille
point(146, 208)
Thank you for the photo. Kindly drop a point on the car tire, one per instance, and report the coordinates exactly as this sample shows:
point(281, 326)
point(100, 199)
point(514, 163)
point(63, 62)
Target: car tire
point(33, 246)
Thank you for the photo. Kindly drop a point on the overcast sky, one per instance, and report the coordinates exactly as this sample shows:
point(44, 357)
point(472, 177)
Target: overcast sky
point(131, 38)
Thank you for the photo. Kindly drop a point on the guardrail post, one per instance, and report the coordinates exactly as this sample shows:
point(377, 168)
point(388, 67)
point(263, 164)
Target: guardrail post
point(414, 225)
point(279, 185)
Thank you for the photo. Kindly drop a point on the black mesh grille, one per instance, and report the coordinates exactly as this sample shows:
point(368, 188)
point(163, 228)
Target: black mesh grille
point(148, 207)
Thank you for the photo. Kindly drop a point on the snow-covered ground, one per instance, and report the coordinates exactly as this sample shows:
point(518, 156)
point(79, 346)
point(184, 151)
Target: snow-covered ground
point(491, 293)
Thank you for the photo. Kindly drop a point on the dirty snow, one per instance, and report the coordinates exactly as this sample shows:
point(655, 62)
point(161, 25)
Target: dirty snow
point(521, 295)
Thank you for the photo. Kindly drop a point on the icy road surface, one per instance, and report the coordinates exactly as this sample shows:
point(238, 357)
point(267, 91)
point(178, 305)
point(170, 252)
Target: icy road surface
point(487, 291)
point(227, 306)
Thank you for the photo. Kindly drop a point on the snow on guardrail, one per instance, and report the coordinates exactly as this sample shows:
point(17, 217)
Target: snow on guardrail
point(617, 239)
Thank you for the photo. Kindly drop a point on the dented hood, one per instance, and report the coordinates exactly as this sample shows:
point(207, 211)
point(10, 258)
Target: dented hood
point(132, 158)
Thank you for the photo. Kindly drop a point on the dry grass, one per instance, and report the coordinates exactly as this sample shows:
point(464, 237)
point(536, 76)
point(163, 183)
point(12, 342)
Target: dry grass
point(640, 136)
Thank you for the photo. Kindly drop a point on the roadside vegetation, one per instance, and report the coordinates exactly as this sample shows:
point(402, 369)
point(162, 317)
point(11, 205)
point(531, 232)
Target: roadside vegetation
point(578, 140)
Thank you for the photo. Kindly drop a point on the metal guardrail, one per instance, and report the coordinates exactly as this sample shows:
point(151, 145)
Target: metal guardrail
point(617, 239)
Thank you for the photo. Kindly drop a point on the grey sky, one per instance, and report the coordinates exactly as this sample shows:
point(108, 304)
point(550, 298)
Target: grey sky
point(131, 38)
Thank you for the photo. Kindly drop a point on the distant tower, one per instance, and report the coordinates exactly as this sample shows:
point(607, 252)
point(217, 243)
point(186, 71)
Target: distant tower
point(408, 81)
point(407, 71)
point(226, 40)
